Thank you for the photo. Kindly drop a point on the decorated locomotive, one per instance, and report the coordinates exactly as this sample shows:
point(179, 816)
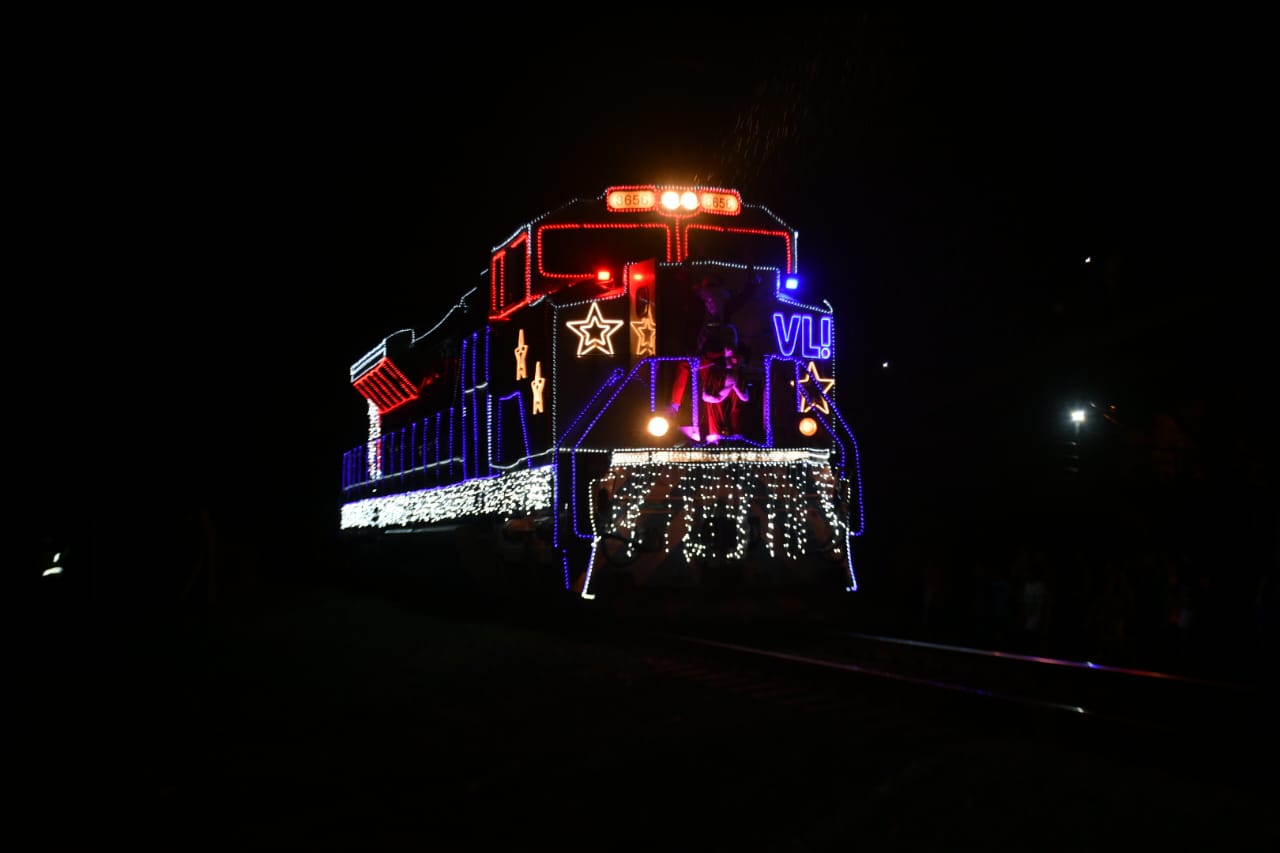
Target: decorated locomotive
point(637, 397)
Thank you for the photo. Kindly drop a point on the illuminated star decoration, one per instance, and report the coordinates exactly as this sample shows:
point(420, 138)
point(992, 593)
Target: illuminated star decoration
point(522, 372)
point(819, 402)
point(646, 329)
point(538, 384)
point(595, 332)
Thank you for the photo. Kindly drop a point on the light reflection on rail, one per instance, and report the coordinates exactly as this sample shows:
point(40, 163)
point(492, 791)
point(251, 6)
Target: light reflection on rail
point(1101, 667)
point(957, 686)
point(895, 676)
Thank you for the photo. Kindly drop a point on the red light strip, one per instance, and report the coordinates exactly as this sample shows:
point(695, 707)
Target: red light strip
point(386, 386)
point(596, 225)
point(785, 235)
point(498, 279)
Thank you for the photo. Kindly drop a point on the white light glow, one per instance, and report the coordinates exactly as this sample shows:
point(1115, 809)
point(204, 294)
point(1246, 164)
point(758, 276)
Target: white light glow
point(595, 333)
point(793, 495)
point(658, 425)
point(519, 491)
point(625, 458)
point(375, 446)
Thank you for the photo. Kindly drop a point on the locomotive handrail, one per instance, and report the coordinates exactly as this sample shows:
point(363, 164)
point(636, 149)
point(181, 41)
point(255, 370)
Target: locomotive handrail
point(587, 418)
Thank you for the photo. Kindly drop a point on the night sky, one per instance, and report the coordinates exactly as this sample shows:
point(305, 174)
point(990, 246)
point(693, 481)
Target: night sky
point(261, 208)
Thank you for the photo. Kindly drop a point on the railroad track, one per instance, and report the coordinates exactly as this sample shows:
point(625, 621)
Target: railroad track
point(812, 670)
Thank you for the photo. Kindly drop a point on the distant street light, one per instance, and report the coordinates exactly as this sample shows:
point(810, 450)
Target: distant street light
point(1073, 457)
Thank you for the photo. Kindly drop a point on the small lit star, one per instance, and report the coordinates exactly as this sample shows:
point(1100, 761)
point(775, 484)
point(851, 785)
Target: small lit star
point(537, 383)
point(646, 330)
point(595, 332)
point(522, 372)
point(820, 400)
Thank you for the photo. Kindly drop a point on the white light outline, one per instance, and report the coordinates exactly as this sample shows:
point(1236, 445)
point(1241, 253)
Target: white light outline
point(594, 320)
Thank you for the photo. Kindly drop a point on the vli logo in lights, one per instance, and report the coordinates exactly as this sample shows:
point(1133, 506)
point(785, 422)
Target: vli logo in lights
point(798, 330)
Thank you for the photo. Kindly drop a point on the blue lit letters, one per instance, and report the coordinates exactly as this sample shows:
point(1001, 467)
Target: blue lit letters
point(799, 329)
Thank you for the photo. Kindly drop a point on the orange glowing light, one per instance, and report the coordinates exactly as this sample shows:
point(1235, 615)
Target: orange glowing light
point(631, 198)
point(716, 201)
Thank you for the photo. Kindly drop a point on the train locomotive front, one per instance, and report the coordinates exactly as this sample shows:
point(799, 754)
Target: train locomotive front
point(646, 410)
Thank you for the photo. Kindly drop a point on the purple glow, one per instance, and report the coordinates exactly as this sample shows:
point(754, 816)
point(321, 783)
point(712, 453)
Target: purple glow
point(425, 437)
point(524, 427)
point(614, 376)
point(451, 457)
point(573, 479)
point(844, 466)
point(488, 403)
point(555, 524)
point(475, 409)
point(438, 415)
point(767, 412)
point(462, 427)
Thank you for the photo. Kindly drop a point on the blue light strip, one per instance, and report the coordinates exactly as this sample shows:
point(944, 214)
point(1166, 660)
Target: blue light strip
point(518, 396)
point(488, 330)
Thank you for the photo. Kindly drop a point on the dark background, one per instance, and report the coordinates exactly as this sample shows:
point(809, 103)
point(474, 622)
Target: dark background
point(225, 217)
